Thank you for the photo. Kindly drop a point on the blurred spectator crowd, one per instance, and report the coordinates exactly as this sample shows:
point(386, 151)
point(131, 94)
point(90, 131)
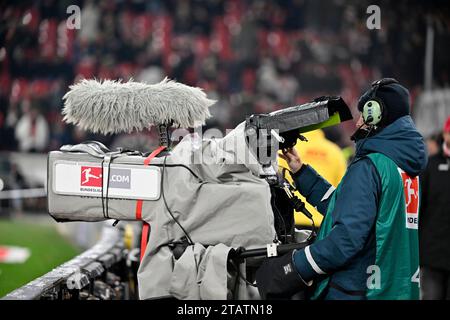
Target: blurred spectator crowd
point(253, 56)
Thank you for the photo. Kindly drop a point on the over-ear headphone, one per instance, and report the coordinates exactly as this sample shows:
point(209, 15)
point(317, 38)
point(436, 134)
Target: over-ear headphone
point(374, 109)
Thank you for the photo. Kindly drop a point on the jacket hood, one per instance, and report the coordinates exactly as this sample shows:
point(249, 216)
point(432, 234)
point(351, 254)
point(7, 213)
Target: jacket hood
point(401, 142)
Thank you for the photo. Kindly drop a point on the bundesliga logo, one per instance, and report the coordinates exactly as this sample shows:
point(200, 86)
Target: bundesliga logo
point(411, 191)
point(91, 176)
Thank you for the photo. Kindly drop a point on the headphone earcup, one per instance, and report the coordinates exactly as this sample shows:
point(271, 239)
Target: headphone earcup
point(372, 112)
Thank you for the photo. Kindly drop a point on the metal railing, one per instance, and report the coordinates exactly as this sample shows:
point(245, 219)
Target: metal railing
point(107, 271)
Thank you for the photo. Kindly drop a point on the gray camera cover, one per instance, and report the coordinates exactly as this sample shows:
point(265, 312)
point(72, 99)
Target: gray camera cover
point(218, 200)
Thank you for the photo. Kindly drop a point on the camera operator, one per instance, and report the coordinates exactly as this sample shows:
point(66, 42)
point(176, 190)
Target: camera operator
point(367, 247)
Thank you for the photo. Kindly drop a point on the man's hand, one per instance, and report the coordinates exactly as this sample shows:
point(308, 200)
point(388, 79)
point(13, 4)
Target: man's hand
point(292, 158)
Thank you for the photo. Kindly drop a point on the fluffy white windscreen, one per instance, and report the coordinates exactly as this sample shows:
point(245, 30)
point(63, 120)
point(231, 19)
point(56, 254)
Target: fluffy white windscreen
point(113, 106)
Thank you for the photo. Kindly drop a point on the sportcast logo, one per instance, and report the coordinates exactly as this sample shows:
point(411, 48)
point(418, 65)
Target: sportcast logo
point(92, 177)
point(411, 189)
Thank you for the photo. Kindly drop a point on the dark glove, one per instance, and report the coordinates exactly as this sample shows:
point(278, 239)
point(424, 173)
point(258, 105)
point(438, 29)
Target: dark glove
point(277, 278)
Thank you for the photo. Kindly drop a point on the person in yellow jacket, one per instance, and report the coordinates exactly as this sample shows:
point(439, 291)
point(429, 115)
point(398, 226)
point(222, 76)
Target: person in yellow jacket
point(327, 159)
